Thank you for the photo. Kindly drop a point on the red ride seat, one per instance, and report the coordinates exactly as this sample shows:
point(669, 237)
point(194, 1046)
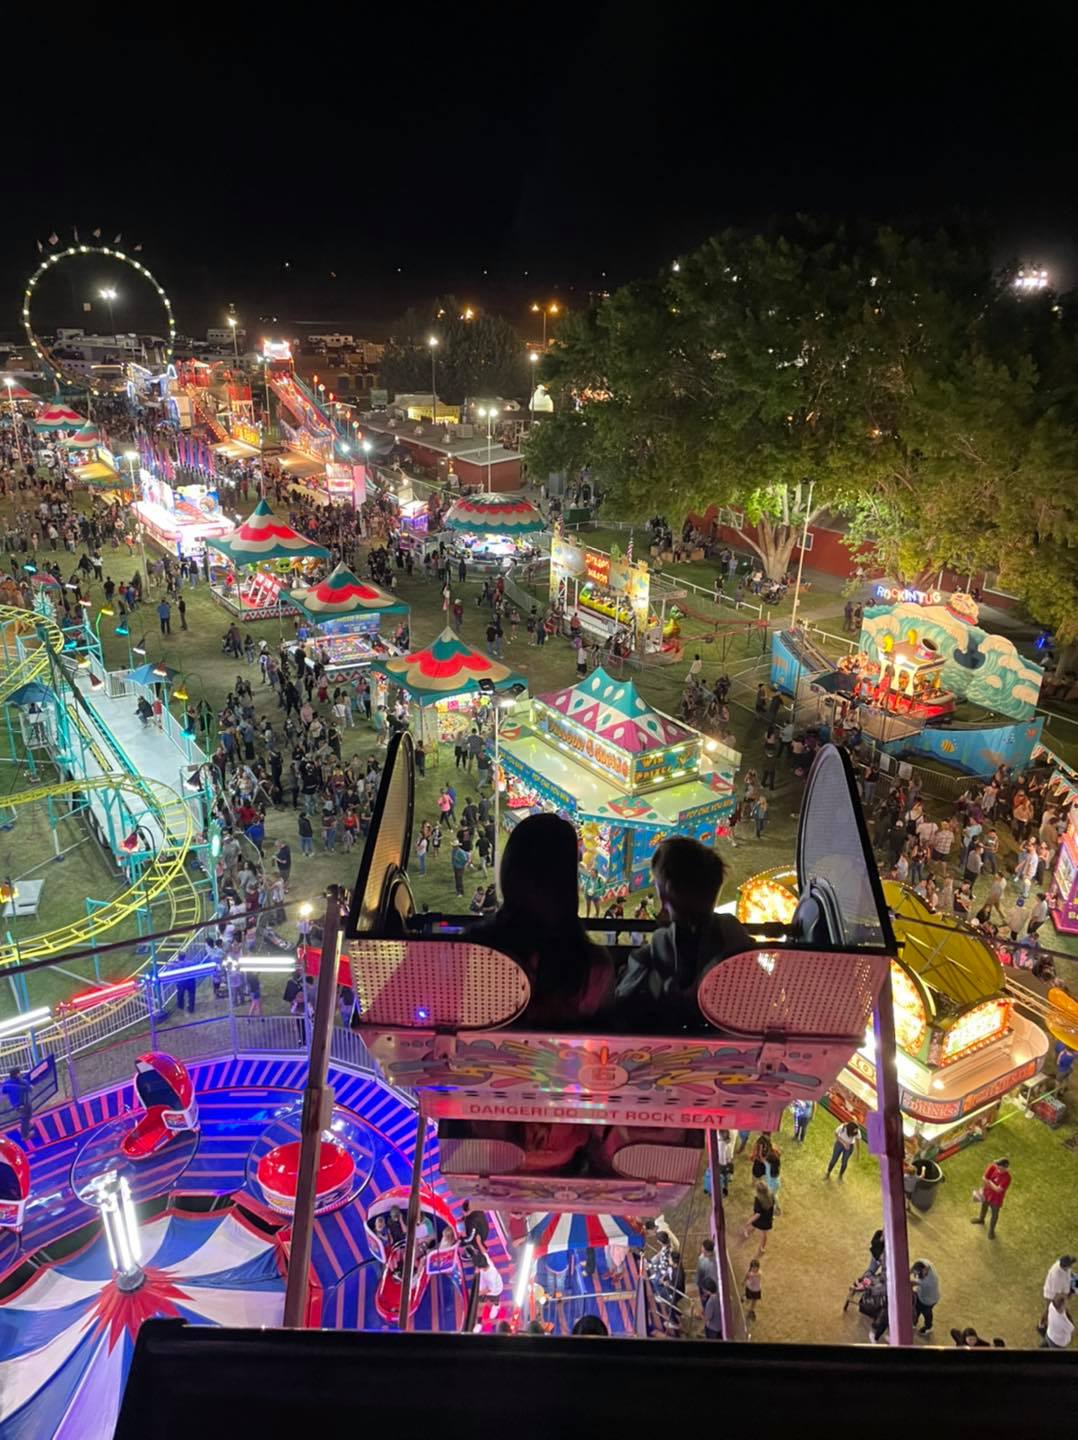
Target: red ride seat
point(148, 1135)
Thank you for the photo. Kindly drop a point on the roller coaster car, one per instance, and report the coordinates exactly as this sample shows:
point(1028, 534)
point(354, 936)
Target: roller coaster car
point(164, 1089)
point(602, 1121)
point(14, 1185)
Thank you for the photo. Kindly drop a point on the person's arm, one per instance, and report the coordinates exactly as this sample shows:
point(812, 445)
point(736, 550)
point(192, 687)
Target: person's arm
point(635, 976)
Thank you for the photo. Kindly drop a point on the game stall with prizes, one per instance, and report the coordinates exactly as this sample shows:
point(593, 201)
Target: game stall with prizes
point(349, 617)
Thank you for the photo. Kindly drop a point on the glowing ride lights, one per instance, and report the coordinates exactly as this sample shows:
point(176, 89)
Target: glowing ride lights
point(112, 1196)
point(28, 1020)
point(893, 595)
point(1028, 282)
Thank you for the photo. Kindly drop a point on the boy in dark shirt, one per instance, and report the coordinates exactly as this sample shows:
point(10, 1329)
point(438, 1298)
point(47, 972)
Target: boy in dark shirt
point(659, 985)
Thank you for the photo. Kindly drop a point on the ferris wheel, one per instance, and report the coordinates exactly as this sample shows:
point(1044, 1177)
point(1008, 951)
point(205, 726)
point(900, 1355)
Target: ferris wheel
point(45, 353)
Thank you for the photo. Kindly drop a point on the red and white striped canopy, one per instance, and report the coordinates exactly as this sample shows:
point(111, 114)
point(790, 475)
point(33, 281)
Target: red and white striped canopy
point(550, 1234)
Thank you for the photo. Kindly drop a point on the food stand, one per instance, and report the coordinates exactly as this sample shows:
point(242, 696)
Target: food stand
point(446, 681)
point(491, 532)
point(961, 1045)
point(349, 615)
point(183, 519)
point(262, 546)
point(625, 774)
point(609, 594)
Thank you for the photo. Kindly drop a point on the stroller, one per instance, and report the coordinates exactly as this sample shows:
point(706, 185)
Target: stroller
point(870, 1292)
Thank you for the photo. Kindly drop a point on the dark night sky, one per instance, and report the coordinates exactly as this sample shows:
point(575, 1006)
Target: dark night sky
point(455, 149)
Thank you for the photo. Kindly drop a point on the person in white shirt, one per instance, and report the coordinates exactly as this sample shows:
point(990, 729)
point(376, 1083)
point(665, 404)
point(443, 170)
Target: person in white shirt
point(491, 1283)
point(1057, 1282)
point(1060, 1326)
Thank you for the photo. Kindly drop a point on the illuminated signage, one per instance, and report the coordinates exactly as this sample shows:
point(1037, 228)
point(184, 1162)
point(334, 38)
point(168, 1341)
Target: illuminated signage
point(975, 1028)
point(893, 595)
point(245, 433)
point(656, 765)
point(276, 350)
point(597, 567)
point(592, 751)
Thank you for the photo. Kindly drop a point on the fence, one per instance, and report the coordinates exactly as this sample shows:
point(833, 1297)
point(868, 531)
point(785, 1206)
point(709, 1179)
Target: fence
point(89, 1068)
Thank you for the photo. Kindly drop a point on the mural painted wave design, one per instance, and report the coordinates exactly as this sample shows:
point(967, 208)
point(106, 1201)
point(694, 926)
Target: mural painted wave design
point(985, 669)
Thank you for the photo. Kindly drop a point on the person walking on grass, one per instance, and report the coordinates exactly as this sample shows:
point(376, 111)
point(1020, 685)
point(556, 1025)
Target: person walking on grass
point(847, 1139)
point(926, 1294)
point(763, 1216)
point(759, 815)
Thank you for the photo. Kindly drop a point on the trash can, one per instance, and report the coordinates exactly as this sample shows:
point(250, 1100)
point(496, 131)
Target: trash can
point(928, 1177)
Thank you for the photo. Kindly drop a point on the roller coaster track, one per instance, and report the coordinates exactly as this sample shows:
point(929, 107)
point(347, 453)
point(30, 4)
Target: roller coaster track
point(27, 641)
point(164, 876)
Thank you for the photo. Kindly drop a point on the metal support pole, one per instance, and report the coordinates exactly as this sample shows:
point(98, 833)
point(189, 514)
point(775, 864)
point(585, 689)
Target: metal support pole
point(404, 1319)
point(232, 1018)
point(497, 767)
point(885, 1140)
point(317, 1105)
point(801, 557)
point(718, 1234)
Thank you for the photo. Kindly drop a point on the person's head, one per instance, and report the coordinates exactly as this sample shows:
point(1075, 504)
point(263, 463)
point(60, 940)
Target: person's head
point(708, 1247)
point(534, 1327)
point(663, 1238)
point(763, 1194)
point(851, 1129)
point(538, 870)
point(919, 1269)
point(754, 1266)
point(14, 1073)
point(465, 1206)
point(1066, 1261)
point(503, 1327)
point(590, 1325)
point(1003, 1164)
point(688, 877)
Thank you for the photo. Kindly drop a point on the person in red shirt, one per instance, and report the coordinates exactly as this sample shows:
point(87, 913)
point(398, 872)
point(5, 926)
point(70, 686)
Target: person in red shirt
point(994, 1185)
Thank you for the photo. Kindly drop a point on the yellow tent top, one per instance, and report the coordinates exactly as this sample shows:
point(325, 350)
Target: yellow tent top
point(943, 955)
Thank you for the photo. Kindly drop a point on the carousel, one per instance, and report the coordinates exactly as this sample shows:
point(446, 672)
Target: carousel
point(493, 532)
point(353, 623)
point(962, 1045)
point(259, 558)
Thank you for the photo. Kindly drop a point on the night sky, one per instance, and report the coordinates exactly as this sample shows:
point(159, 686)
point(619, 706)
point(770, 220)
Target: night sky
point(338, 174)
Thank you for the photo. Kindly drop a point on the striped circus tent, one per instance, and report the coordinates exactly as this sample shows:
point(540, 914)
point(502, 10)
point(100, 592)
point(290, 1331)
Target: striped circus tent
point(263, 537)
point(58, 417)
point(550, 1234)
point(343, 594)
point(84, 438)
point(495, 515)
point(70, 1332)
point(12, 390)
point(444, 669)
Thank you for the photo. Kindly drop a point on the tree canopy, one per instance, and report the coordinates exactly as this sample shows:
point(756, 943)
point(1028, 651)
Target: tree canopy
point(892, 377)
point(481, 356)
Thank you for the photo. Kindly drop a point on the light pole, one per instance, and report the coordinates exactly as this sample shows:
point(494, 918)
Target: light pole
point(488, 413)
point(109, 296)
point(232, 323)
point(801, 556)
point(10, 383)
point(132, 456)
point(432, 341)
point(544, 310)
point(533, 360)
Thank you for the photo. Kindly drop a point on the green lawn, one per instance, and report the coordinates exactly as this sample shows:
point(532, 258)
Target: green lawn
point(820, 1242)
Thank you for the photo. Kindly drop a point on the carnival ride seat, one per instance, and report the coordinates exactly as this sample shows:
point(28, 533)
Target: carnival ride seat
point(164, 1088)
point(447, 1017)
point(14, 1184)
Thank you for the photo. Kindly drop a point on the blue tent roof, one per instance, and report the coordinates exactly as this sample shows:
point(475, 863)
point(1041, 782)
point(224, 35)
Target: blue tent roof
point(32, 694)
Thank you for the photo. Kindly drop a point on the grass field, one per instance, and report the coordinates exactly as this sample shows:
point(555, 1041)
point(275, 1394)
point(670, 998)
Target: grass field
point(820, 1242)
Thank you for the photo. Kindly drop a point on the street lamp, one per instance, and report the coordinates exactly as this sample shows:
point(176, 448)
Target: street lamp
point(132, 458)
point(233, 322)
point(544, 310)
point(109, 295)
point(10, 383)
point(488, 413)
point(533, 359)
point(432, 341)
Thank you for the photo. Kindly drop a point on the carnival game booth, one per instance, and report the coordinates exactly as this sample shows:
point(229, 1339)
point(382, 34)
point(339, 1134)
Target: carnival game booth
point(260, 556)
point(493, 532)
point(448, 1019)
point(450, 685)
point(349, 616)
point(962, 1046)
point(610, 594)
point(182, 519)
point(625, 774)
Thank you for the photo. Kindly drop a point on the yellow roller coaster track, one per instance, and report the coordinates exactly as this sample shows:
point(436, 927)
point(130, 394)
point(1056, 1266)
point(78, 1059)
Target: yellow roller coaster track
point(26, 640)
point(164, 875)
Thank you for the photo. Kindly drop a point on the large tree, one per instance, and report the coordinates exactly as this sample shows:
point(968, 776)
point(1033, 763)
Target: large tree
point(477, 357)
point(893, 377)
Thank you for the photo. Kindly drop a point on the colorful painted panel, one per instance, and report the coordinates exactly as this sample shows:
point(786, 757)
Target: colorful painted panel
point(976, 749)
point(985, 669)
